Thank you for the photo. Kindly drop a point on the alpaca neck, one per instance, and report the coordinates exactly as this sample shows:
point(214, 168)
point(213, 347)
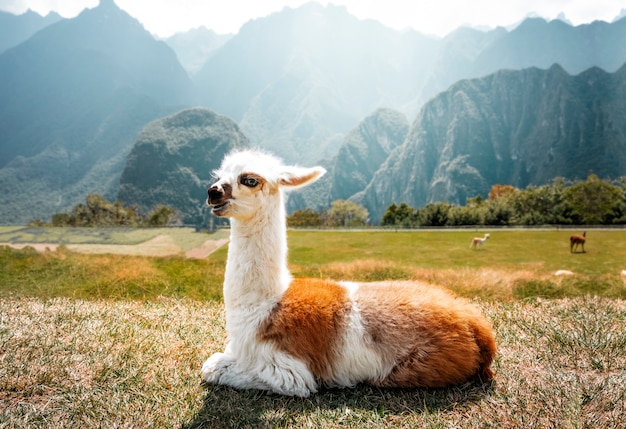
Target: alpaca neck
point(256, 269)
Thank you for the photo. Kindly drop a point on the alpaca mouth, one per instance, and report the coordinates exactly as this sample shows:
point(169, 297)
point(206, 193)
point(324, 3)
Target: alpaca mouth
point(219, 208)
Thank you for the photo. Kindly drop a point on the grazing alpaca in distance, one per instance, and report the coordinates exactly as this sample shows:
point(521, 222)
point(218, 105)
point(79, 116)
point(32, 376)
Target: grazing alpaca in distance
point(576, 240)
point(477, 241)
point(293, 336)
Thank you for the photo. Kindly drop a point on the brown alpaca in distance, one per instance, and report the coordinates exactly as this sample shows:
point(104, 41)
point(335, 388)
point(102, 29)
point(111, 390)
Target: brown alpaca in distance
point(575, 240)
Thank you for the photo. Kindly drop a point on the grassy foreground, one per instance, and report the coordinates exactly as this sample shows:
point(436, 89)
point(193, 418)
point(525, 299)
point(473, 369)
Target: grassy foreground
point(77, 364)
point(116, 341)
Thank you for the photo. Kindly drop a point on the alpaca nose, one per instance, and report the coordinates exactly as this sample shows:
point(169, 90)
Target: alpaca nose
point(219, 193)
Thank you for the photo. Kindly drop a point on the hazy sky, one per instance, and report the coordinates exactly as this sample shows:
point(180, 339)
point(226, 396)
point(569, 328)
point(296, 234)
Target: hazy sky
point(438, 17)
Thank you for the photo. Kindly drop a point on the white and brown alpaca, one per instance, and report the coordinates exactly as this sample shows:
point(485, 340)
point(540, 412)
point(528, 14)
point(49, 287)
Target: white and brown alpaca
point(477, 241)
point(292, 336)
point(576, 240)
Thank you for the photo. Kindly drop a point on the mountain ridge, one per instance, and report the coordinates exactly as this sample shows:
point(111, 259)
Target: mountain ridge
point(512, 127)
point(15, 29)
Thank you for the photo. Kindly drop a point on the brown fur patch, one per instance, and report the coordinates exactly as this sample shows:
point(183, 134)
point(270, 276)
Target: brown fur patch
point(307, 323)
point(432, 338)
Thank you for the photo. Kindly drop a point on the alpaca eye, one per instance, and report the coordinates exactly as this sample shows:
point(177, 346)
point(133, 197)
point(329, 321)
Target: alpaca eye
point(250, 182)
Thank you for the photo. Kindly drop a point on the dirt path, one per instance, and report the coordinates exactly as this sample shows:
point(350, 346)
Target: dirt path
point(206, 249)
point(161, 245)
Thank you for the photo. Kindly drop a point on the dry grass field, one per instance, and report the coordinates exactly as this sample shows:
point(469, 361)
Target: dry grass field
point(117, 341)
point(111, 364)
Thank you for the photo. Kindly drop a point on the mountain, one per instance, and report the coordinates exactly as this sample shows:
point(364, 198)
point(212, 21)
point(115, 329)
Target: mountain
point(454, 59)
point(172, 160)
point(194, 47)
point(73, 99)
point(15, 29)
point(298, 80)
point(535, 42)
point(361, 154)
point(512, 127)
point(364, 150)
point(538, 43)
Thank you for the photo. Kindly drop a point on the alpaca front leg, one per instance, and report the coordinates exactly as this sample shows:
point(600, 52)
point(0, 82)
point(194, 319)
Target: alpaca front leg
point(222, 368)
point(282, 375)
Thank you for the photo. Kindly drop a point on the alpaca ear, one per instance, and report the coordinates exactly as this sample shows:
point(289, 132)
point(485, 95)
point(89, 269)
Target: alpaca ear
point(296, 177)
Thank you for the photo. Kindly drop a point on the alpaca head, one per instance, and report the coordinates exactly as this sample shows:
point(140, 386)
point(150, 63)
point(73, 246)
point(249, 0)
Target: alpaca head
point(249, 181)
point(487, 236)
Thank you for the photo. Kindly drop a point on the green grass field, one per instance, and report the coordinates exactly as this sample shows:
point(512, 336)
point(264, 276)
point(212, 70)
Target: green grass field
point(111, 340)
point(513, 264)
point(541, 251)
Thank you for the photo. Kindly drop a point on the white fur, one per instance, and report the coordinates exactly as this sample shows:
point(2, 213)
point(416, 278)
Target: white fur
point(477, 241)
point(358, 360)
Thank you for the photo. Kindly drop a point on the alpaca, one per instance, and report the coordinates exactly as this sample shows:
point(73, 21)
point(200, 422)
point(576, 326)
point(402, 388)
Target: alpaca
point(294, 336)
point(477, 241)
point(576, 240)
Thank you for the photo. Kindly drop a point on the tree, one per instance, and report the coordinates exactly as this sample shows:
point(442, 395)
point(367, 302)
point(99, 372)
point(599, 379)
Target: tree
point(434, 214)
point(97, 211)
point(402, 215)
point(464, 215)
point(501, 191)
point(594, 201)
point(304, 218)
point(498, 212)
point(533, 206)
point(345, 213)
point(160, 216)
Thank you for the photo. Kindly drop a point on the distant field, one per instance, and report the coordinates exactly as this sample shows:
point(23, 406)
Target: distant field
point(111, 340)
point(186, 238)
point(541, 251)
point(513, 264)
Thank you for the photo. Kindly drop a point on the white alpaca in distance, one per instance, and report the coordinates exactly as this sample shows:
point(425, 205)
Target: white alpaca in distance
point(477, 241)
point(293, 336)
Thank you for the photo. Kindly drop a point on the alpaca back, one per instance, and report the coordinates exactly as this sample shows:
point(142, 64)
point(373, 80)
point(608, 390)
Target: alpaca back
point(443, 340)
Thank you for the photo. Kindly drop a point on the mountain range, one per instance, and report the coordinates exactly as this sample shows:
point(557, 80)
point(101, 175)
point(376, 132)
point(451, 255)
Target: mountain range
point(314, 85)
point(517, 128)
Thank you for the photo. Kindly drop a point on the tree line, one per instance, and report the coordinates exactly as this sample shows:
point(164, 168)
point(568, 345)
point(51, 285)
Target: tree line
point(341, 214)
point(98, 211)
point(588, 202)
